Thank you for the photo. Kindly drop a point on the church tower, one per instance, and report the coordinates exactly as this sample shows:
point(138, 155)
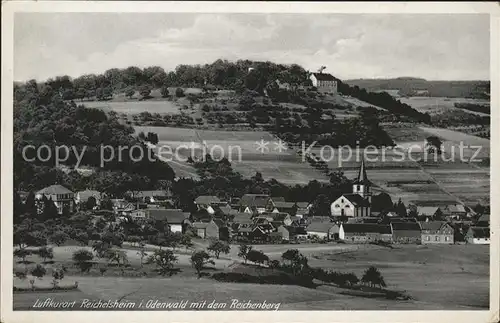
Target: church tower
point(362, 185)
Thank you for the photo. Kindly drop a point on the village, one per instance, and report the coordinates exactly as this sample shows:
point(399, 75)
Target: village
point(264, 219)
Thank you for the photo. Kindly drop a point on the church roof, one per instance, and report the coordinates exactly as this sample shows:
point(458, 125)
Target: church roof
point(357, 200)
point(362, 177)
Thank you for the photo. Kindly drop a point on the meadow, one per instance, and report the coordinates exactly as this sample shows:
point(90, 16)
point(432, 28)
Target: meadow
point(436, 105)
point(436, 277)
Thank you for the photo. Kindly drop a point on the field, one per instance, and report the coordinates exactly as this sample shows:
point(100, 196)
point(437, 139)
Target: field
point(240, 147)
point(436, 105)
point(436, 277)
point(135, 107)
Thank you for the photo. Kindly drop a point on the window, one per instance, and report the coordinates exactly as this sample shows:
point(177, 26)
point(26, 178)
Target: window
point(336, 205)
point(437, 238)
point(427, 238)
point(347, 206)
point(446, 238)
point(358, 186)
point(342, 200)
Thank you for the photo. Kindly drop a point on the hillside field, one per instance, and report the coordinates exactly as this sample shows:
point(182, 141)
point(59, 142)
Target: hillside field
point(240, 147)
point(436, 105)
point(436, 277)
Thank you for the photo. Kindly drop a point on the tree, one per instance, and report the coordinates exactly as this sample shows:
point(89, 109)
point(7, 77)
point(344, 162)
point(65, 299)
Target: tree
point(186, 240)
point(91, 203)
point(101, 248)
point(83, 259)
point(22, 253)
point(57, 275)
point(433, 144)
point(257, 257)
point(218, 246)
point(199, 259)
point(118, 256)
point(145, 92)
point(244, 249)
point(291, 255)
point(179, 92)
point(142, 252)
point(373, 277)
point(59, 237)
point(130, 93)
point(82, 238)
point(141, 136)
point(164, 260)
point(400, 208)
point(45, 252)
point(39, 271)
point(165, 92)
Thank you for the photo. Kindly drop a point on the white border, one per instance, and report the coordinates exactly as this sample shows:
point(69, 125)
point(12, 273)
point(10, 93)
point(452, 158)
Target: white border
point(8, 9)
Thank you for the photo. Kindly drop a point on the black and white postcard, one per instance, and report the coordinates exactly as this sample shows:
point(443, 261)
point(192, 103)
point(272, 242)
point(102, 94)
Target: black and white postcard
point(253, 161)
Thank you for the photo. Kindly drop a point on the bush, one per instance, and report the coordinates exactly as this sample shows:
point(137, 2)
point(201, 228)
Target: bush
point(83, 259)
point(277, 279)
point(179, 92)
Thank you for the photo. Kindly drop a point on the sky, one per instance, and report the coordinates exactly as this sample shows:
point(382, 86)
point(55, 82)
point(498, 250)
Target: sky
point(430, 46)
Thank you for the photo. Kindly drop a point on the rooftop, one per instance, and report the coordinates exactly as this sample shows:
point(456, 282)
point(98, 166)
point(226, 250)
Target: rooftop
point(55, 189)
point(324, 77)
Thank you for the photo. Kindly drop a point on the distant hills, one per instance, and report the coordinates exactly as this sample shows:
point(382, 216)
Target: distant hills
point(411, 86)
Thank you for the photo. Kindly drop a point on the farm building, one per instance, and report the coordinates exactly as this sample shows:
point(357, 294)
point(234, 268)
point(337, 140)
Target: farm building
point(282, 217)
point(176, 218)
point(324, 82)
point(150, 197)
point(358, 203)
point(406, 232)
point(455, 211)
point(437, 232)
point(288, 207)
point(283, 232)
point(483, 221)
point(205, 201)
point(364, 232)
point(478, 235)
point(82, 197)
point(62, 197)
point(254, 203)
point(206, 230)
point(122, 207)
point(320, 229)
point(429, 212)
point(372, 220)
point(242, 220)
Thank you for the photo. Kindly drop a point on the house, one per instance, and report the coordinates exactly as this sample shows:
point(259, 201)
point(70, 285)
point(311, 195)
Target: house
point(455, 211)
point(324, 82)
point(372, 220)
point(282, 217)
point(262, 232)
point(150, 197)
point(483, 221)
point(437, 232)
point(176, 218)
point(303, 205)
point(357, 204)
point(287, 207)
point(82, 197)
point(242, 220)
point(122, 207)
point(429, 212)
point(254, 203)
point(478, 235)
point(320, 230)
point(364, 232)
point(62, 197)
point(297, 221)
point(283, 232)
point(206, 230)
point(406, 232)
point(225, 211)
point(206, 202)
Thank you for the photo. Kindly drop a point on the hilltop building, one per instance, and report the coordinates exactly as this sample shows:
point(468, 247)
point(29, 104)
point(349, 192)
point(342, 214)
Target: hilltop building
point(324, 82)
point(357, 204)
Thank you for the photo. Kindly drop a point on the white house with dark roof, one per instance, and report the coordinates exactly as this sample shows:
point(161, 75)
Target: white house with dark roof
point(60, 195)
point(358, 203)
point(324, 82)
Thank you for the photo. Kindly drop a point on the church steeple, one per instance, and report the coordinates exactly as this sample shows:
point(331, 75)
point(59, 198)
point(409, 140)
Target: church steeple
point(362, 177)
point(361, 184)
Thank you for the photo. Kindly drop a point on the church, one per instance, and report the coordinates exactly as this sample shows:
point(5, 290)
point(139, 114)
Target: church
point(358, 203)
